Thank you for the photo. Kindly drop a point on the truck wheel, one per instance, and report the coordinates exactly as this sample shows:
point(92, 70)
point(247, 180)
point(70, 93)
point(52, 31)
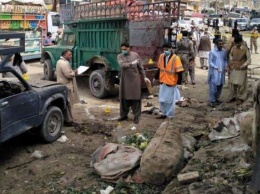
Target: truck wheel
point(52, 124)
point(48, 70)
point(97, 84)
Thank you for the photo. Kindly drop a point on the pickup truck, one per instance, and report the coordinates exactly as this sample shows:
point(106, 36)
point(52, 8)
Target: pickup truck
point(38, 105)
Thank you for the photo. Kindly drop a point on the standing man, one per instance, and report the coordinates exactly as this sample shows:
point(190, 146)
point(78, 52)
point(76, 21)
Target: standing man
point(185, 51)
point(191, 68)
point(226, 37)
point(204, 49)
point(59, 35)
point(231, 43)
point(195, 39)
point(237, 66)
point(208, 22)
point(66, 76)
point(130, 83)
point(217, 21)
point(48, 41)
point(253, 40)
point(169, 75)
point(214, 24)
point(216, 36)
point(216, 75)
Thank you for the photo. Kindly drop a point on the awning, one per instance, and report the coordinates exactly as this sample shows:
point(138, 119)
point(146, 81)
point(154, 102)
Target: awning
point(35, 2)
point(198, 15)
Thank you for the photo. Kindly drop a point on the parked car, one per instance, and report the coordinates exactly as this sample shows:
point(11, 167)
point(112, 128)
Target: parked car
point(184, 24)
point(187, 20)
point(242, 23)
point(213, 17)
point(254, 22)
point(26, 105)
point(198, 21)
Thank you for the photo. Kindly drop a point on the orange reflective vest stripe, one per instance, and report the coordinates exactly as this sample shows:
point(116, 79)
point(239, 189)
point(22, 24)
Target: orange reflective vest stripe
point(168, 74)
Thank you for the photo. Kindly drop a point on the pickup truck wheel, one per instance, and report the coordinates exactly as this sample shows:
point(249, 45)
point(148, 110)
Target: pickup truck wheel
point(52, 124)
point(97, 84)
point(48, 70)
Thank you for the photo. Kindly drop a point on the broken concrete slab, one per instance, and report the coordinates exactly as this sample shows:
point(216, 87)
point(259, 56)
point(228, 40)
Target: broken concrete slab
point(188, 177)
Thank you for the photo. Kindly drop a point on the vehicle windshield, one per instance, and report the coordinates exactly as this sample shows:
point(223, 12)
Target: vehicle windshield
point(56, 20)
point(214, 16)
point(255, 20)
point(186, 19)
point(9, 84)
point(183, 21)
point(68, 39)
point(241, 20)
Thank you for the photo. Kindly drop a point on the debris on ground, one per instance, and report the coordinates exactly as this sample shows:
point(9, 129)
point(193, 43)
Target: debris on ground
point(150, 96)
point(163, 157)
point(37, 154)
point(108, 190)
point(148, 104)
point(189, 144)
point(188, 102)
point(221, 166)
point(138, 140)
point(189, 177)
point(62, 139)
point(117, 161)
point(231, 127)
point(152, 111)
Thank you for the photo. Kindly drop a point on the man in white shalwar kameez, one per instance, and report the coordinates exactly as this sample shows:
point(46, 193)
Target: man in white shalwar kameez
point(169, 75)
point(216, 75)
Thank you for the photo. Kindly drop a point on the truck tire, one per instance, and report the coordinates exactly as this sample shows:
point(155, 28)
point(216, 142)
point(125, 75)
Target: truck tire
point(52, 124)
point(97, 84)
point(48, 70)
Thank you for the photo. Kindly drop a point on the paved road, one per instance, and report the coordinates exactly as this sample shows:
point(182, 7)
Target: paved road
point(36, 72)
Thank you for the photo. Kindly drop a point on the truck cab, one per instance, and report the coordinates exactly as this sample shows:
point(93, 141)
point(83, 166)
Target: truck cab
point(51, 54)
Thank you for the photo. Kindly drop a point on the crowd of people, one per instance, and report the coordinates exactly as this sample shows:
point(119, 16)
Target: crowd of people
point(229, 56)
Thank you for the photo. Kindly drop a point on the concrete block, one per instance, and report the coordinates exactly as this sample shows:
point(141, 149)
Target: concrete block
point(188, 177)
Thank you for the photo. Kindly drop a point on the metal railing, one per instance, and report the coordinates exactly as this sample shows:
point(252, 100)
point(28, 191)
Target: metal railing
point(117, 9)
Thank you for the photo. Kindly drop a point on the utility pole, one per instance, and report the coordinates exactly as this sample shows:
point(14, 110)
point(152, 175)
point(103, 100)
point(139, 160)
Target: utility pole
point(216, 6)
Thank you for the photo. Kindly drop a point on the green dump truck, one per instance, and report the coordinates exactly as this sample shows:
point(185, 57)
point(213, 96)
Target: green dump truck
point(94, 32)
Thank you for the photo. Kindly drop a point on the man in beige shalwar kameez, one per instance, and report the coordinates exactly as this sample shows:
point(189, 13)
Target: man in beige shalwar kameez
point(240, 58)
point(66, 76)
